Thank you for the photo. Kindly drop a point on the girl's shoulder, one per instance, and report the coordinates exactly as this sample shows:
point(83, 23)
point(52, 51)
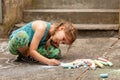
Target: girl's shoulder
point(38, 24)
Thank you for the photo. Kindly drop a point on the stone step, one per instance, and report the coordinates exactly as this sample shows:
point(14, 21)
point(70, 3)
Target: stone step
point(87, 26)
point(77, 16)
point(97, 26)
point(72, 10)
point(75, 4)
point(91, 30)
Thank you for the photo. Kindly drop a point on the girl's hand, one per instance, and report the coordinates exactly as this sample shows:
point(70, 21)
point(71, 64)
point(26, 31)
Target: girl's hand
point(53, 62)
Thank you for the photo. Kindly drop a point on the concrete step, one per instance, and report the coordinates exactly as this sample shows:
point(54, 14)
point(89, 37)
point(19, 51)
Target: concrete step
point(87, 26)
point(97, 26)
point(72, 10)
point(91, 30)
point(75, 4)
point(77, 16)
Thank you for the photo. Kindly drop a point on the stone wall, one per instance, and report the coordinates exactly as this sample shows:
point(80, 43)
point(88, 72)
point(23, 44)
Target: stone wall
point(119, 20)
point(12, 13)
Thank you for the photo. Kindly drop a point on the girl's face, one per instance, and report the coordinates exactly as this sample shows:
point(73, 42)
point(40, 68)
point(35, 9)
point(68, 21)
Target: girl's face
point(60, 37)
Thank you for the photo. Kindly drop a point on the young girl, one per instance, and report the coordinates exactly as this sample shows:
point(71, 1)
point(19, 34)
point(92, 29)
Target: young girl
point(39, 41)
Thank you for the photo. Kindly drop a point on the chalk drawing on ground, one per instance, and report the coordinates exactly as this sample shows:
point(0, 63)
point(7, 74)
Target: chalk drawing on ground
point(4, 48)
point(7, 63)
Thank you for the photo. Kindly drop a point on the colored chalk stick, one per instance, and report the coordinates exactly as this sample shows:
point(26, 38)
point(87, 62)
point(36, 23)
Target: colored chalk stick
point(110, 63)
point(104, 75)
point(102, 59)
point(104, 63)
point(98, 63)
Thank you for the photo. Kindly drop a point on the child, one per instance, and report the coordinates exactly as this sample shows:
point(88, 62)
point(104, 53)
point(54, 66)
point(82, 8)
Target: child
point(39, 40)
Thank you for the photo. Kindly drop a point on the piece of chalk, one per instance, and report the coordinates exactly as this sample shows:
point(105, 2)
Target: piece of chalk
point(104, 75)
point(110, 63)
point(102, 59)
point(104, 63)
point(98, 63)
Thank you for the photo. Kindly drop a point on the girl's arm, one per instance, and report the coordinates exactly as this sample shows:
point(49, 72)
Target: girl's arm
point(39, 28)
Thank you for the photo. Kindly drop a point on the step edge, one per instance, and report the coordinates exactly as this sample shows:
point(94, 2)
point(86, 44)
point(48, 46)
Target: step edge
point(71, 10)
point(97, 26)
point(89, 26)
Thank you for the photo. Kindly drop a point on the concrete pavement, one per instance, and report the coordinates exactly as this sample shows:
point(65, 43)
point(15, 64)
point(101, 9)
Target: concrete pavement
point(82, 48)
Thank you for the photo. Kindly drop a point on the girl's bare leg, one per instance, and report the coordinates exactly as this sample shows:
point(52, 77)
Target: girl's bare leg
point(24, 51)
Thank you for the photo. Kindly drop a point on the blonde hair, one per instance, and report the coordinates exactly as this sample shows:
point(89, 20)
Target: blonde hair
point(70, 31)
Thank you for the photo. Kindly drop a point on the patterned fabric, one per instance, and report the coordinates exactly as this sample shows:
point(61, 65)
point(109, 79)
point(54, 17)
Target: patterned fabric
point(29, 30)
point(21, 39)
point(51, 52)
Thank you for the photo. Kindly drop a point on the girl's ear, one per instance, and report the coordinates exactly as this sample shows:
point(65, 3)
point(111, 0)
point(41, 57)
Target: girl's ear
point(61, 28)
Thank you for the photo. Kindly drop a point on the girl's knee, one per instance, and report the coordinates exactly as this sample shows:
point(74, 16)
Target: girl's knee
point(19, 40)
point(22, 34)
